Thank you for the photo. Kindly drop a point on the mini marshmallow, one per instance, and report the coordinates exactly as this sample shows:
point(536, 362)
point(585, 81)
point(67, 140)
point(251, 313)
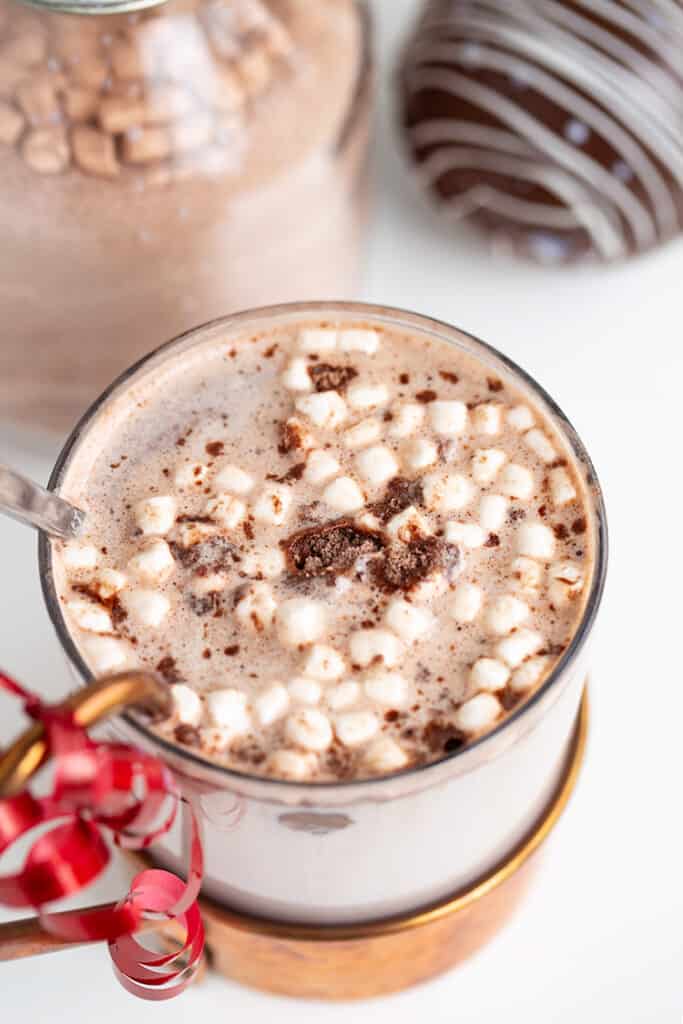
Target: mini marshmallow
point(299, 436)
point(367, 521)
point(486, 418)
point(430, 588)
point(488, 674)
point(407, 621)
point(105, 653)
point(287, 764)
point(154, 563)
point(562, 490)
point(90, 616)
point(387, 688)
point(320, 467)
point(526, 573)
point(566, 582)
point(212, 583)
point(477, 713)
point(265, 564)
point(300, 621)
point(226, 510)
point(344, 695)
point(296, 376)
point(522, 644)
point(447, 492)
point(344, 495)
point(486, 462)
point(356, 727)
point(370, 645)
point(271, 704)
point(108, 583)
point(256, 610)
point(520, 418)
point(408, 525)
point(357, 340)
point(364, 433)
point(193, 533)
point(156, 515)
point(233, 480)
point(187, 706)
point(535, 540)
point(272, 505)
point(468, 534)
point(326, 409)
point(529, 674)
point(367, 396)
point(228, 710)
point(377, 465)
point(537, 441)
point(148, 607)
point(516, 481)
point(79, 557)
point(215, 740)
point(506, 613)
point(324, 663)
point(385, 755)
point(191, 474)
point(493, 510)
point(317, 340)
point(305, 691)
point(467, 602)
point(448, 418)
point(419, 454)
point(407, 418)
point(309, 728)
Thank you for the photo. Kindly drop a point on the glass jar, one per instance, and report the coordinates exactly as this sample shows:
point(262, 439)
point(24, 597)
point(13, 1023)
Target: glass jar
point(161, 166)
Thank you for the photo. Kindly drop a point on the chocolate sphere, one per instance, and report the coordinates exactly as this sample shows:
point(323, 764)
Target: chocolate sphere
point(556, 127)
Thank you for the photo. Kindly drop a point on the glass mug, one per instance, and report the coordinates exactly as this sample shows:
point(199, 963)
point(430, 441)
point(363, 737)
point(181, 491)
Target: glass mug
point(163, 163)
point(346, 853)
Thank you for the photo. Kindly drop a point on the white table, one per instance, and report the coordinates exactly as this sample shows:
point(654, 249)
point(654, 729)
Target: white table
point(600, 938)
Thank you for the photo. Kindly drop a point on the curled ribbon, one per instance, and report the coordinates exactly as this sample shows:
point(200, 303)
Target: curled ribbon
point(134, 797)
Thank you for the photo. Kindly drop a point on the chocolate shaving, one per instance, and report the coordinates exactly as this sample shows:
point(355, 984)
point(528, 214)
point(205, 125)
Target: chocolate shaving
point(215, 448)
point(426, 396)
point(167, 669)
point(204, 604)
point(215, 554)
point(494, 384)
point(442, 737)
point(452, 378)
point(188, 735)
point(399, 495)
point(293, 474)
point(331, 548)
point(405, 565)
point(326, 377)
point(291, 438)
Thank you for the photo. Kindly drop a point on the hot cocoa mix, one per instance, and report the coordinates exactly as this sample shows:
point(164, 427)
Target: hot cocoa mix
point(165, 167)
point(347, 548)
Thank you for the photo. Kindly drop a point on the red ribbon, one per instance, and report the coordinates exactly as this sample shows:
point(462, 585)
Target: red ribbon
point(134, 797)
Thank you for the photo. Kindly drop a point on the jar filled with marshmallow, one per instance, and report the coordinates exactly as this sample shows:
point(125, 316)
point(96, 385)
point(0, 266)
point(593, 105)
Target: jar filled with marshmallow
point(161, 165)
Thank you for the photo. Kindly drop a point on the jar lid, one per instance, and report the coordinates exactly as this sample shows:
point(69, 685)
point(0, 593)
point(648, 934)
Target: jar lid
point(93, 6)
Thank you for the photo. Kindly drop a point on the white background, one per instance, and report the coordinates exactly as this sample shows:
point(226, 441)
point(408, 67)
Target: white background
point(600, 938)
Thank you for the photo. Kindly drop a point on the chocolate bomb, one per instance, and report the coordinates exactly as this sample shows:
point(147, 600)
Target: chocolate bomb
point(555, 128)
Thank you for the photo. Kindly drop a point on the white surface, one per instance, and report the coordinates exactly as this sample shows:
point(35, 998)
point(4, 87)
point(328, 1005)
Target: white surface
point(600, 937)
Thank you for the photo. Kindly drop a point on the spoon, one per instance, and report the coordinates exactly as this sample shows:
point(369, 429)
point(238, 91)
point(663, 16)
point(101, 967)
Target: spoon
point(27, 502)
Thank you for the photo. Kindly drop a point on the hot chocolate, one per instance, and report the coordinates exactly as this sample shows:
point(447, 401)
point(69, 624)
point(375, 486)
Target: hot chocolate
point(348, 547)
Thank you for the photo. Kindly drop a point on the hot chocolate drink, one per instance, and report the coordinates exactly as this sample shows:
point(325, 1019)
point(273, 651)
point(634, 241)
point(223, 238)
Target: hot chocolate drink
point(348, 547)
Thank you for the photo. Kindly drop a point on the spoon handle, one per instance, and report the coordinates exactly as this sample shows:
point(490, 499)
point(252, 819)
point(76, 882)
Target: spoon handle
point(26, 501)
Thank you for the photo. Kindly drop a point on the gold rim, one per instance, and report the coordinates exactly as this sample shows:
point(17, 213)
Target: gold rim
point(98, 700)
point(497, 876)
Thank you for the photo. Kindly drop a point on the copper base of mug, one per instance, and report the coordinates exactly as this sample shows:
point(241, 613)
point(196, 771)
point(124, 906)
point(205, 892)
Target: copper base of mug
point(378, 958)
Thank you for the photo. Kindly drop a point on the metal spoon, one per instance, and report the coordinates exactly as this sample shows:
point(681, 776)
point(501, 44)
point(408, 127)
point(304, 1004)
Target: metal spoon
point(26, 501)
